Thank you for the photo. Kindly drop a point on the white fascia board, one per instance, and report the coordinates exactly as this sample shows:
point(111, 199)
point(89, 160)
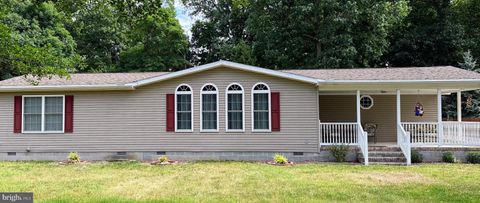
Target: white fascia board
point(229, 64)
point(398, 81)
point(399, 84)
point(64, 88)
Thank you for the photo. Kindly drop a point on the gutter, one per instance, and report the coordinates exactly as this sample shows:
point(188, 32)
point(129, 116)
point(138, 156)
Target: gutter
point(460, 81)
point(65, 88)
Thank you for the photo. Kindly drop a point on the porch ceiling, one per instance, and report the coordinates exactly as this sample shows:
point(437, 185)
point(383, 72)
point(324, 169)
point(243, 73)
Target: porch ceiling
point(388, 92)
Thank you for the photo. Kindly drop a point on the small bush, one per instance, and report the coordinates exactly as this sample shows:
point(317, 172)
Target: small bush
point(473, 157)
point(448, 157)
point(73, 157)
point(280, 159)
point(416, 157)
point(163, 159)
point(339, 152)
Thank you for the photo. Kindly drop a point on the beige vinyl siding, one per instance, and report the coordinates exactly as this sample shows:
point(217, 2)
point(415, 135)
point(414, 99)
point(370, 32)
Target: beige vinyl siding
point(135, 120)
point(342, 108)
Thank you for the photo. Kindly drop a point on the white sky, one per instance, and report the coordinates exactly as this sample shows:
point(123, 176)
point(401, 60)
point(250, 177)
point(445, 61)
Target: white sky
point(185, 20)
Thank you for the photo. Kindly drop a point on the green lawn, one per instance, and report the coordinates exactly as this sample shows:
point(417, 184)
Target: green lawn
point(241, 182)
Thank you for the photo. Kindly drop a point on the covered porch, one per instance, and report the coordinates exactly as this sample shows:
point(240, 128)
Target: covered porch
point(391, 117)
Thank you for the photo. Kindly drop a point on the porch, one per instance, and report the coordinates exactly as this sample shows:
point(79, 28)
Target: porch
point(343, 120)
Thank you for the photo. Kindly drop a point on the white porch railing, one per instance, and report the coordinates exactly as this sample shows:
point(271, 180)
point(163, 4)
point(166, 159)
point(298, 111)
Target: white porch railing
point(461, 133)
point(453, 133)
point(344, 133)
point(422, 133)
point(363, 142)
point(338, 133)
point(403, 140)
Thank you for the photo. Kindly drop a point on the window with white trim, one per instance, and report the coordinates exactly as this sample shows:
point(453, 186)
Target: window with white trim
point(366, 102)
point(43, 114)
point(235, 117)
point(261, 107)
point(209, 108)
point(183, 108)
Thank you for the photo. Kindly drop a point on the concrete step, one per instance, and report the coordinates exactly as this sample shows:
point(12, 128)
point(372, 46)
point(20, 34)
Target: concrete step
point(388, 163)
point(387, 159)
point(383, 154)
point(384, 149)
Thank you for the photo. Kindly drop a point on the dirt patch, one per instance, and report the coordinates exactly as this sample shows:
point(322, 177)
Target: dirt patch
point(390, 178)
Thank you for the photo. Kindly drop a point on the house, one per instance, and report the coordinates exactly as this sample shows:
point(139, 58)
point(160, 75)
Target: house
point(227, 110)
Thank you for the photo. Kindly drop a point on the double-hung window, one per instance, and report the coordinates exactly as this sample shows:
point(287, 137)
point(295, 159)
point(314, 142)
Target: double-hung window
point(209, 108)
point(261, 107)
point(234, 103)
point(43, 114)
point(183, 108)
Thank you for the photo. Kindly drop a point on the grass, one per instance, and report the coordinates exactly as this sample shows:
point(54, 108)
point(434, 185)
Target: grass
point(241, 182)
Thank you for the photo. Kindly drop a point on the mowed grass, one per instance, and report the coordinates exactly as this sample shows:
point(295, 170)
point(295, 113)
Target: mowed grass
point(241, 182)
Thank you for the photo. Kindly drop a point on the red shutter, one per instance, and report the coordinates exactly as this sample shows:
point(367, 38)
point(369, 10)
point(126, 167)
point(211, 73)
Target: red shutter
point(170, 112)
point(68, 114)
point(17, 114)
point(275, 97)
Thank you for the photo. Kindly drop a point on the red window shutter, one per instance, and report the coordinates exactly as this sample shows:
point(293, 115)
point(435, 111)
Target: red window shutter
point(17, 114)
point(68, 114)
point(170, 112)
point(275, 97)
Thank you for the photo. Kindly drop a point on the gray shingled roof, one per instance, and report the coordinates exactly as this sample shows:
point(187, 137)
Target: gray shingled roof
point(409, 73)
point(85, 79)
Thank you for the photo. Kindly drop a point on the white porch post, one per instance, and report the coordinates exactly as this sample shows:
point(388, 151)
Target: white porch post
point(439, 117)
point(459, 106)
point(359, 121)
point(459, 125)
point(399, 113)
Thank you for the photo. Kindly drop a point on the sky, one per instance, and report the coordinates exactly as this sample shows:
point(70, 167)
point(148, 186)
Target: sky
point(185, 20)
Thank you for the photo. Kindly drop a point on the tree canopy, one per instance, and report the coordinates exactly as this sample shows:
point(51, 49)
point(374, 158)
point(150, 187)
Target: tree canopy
point(45, 38)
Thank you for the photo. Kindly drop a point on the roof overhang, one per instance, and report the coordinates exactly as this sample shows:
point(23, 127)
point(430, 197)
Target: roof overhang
point(54, 88)
point(228, 64)
point(461, 84)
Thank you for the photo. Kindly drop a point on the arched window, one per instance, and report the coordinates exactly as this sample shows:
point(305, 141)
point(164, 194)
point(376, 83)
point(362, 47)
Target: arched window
point(183, 108)
point(261, 107)
point(234, 106)
point(209, 108)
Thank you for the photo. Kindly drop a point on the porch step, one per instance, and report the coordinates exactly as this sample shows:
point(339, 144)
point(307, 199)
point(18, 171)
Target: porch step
point(384, 149)
point(384, 155)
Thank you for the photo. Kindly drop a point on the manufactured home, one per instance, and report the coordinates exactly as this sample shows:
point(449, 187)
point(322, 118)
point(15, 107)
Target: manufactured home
point(231, 111)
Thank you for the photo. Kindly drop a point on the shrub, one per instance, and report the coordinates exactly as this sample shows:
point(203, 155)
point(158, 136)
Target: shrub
point(416, 157)
point(339, 152)
point(473, 157)
point(163, 159)
point(448, 157)
point(73, 157)
point(280, 159)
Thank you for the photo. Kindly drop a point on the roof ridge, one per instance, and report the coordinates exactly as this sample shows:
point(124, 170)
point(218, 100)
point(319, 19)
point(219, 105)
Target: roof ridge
point(370, 68)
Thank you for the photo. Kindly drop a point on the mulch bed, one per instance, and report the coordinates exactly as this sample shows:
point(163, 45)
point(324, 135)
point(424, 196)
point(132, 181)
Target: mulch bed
point(164, 163)
point(277, 164)
point(73, 162)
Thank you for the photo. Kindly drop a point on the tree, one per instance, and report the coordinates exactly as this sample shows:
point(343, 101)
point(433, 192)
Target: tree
point(160, 44)
point(99, 35)
point(319, 34)
point(119, 35)
point(223, 27)
point(466, 13)
point(429, 36)
point(469, 63)
point(34, 40)
point(323, 34)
